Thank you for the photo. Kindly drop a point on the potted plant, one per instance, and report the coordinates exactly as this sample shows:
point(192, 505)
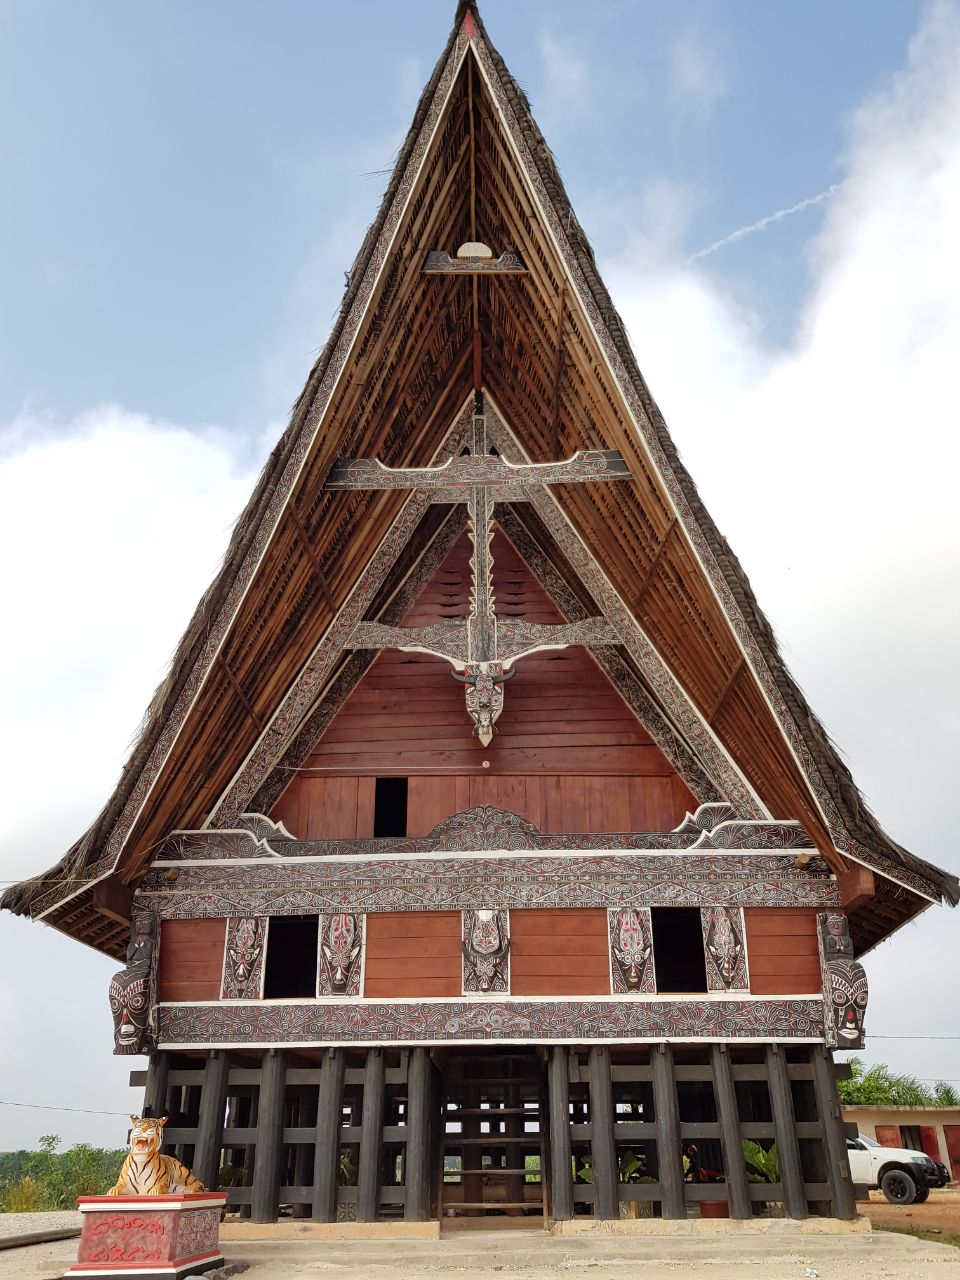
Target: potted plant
point(762, 1166)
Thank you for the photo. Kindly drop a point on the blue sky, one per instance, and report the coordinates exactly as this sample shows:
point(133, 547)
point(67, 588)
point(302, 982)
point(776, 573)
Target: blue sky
point(173, 172)
point(182, 187)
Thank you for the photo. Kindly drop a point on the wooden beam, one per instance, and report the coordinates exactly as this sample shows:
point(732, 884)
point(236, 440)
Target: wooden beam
point(788, 1149)
point(606, 1194)
point(728, 1113)
point(653, 566)
point(327, 1142)
point(311, 554)
point(155, 1093)
point(213, 1101)
point(858, 885)
point(728, 685)
point(416, 1165)
point(235, 686)
point(265, 1201)
point(561, 1169)
point(666, 1114)
point(558, 368)
point(113, 899)
point(371, 1137)
point(842, 1195)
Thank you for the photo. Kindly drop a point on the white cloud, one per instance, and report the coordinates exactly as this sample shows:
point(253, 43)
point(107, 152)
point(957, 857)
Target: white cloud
point(832, 468)
point(696, 77)
point(112, 526)
point(565, 78)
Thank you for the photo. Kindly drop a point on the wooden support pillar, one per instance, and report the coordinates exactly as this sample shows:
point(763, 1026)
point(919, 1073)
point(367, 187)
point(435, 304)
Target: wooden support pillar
point(327, 1144)
point(561, 1160)
point(266, 1168)
point(606, 1191)
point(417, 1163)
point(213, 1104)
point(728, 1113)
point(155, 1093)
point(371, 1137)
point(788, 1149)
point(834, 1136)
point(673, 1202)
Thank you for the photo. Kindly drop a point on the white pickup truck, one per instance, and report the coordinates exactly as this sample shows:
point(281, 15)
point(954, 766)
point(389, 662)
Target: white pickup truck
point(904, 1176)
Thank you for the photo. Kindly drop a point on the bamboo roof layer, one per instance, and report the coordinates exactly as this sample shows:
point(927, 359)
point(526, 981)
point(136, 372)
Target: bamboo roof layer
point(394, 377)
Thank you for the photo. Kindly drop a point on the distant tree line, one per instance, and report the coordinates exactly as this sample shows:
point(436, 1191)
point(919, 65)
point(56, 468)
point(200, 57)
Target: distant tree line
point(50, 1179)
point(881, 1087)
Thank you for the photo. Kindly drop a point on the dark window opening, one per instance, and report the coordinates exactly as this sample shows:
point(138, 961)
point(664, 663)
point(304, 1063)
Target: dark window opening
point(291, 965)
point(390, 808)
point(678, 949)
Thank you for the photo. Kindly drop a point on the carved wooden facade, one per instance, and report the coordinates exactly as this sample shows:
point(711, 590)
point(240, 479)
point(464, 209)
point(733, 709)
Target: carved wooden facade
point(553, 936)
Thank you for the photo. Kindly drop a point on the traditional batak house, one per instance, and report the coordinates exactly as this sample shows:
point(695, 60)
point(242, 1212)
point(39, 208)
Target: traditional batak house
point(479, 857)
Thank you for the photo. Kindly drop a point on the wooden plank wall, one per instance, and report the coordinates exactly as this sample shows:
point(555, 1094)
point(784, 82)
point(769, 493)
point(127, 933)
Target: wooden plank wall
point(559, 952)
point(191, 959)
point(782, 950)
point(413, 953)
point(569, 754)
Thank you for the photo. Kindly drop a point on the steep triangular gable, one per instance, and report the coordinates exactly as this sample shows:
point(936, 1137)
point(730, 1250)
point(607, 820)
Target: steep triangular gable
point(569, 755)
point(405, 354)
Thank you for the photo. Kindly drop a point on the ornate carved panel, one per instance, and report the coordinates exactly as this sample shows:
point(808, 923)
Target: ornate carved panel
point(340, 961)
point(724, 948)
point(631, 950)
point(243, 958)
point(476, 1020)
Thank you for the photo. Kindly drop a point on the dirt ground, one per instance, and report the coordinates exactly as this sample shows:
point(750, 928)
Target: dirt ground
point(941, 1212)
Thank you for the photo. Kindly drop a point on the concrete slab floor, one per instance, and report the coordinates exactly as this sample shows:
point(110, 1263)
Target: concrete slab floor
point(524, 1255)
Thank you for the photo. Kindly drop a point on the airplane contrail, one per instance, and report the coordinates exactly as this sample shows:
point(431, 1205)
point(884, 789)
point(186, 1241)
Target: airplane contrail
point(762, 225)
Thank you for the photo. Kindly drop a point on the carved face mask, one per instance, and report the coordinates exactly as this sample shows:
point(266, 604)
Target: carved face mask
point(723, 944)
point(631, 949)
point(339, 952)
point(130, 1005)
point(848, 996)
point(245, 949)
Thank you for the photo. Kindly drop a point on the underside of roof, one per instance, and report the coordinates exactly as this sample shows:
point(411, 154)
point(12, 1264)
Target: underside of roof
point(262, 667)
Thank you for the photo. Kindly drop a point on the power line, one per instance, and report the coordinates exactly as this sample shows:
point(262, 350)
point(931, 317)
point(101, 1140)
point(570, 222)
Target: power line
point(42, 1106)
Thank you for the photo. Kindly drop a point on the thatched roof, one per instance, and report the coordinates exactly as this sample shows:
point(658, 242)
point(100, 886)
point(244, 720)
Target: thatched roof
point(390, 380)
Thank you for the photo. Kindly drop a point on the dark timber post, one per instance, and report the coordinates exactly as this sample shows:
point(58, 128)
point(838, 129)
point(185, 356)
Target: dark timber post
point(266, 1168)
point(561, 1162)
point(155, 1094)
point(667, 1116)
point(834, 1138)
point(327, 1145)
point(417, 1170)
point(371, 1137)
point(606, 1192)
point(213, 1103)
point(728, 1113)
point(788, 1150)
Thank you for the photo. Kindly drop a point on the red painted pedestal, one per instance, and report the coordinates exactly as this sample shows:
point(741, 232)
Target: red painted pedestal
point(138, 1236)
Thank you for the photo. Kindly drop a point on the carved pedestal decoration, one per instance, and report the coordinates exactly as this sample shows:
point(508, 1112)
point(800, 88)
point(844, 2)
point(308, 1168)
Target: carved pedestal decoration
point(341, 955)
point(845, 983)
point(131, 990)
point(723, 947)
point(486, 952)
point(163, 1235)
point(631, 965)
point(243, 959)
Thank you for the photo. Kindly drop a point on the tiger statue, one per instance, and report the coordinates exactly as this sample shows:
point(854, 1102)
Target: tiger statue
point(146, 1172)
